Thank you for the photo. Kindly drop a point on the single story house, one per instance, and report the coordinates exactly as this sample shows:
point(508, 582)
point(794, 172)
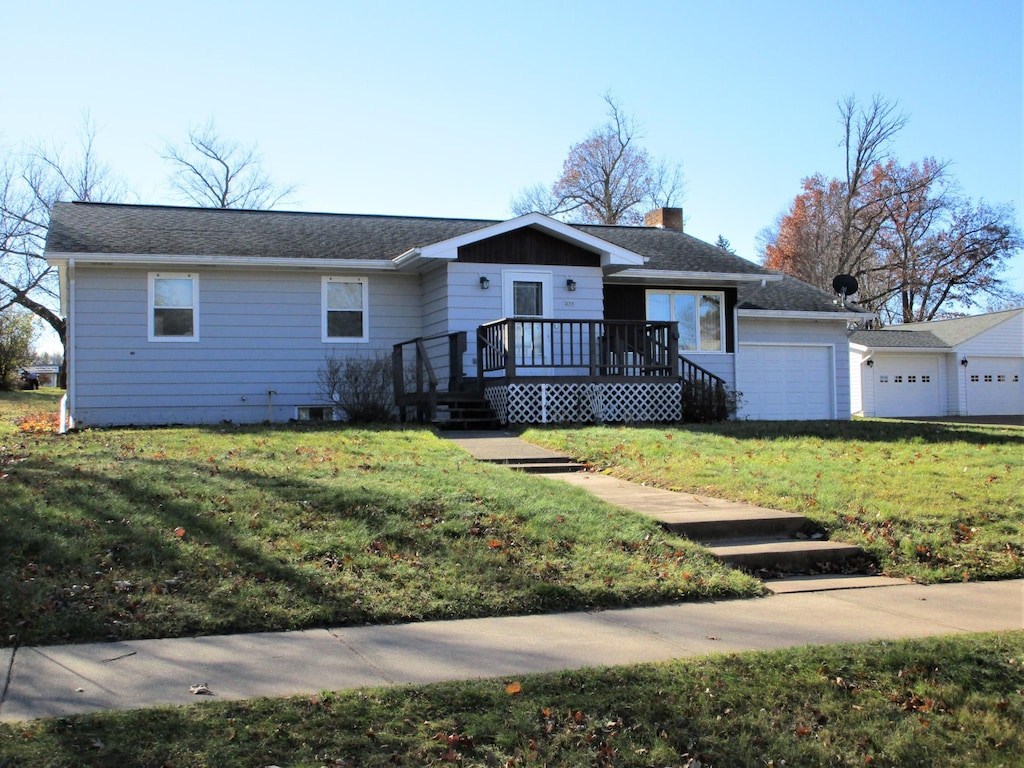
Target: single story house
point(186, 315)
point(965, 366)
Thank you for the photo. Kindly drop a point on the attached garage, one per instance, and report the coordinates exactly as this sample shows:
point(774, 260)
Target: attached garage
point(786, 381)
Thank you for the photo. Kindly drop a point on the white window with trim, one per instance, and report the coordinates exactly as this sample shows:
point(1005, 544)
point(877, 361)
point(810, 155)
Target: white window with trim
point(344, 309)
point(699, 314)
point(173, 306)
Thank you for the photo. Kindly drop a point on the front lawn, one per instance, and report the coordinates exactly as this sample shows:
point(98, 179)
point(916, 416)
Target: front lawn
point(952, 701)
point(134, 533)
point(932, 502)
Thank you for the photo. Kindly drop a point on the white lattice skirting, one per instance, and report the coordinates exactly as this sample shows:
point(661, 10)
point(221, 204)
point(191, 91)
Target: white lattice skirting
point(586, 403)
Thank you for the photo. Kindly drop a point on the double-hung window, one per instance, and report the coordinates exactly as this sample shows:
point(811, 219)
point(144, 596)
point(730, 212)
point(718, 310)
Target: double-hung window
point(699, 314)
point(343, 310)
point(173, 306)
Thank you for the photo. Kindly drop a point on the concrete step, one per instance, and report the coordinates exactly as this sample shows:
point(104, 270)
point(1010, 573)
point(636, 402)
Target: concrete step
point(744, 523)
point(830, 582)
point(539, 465)
point(786, 556)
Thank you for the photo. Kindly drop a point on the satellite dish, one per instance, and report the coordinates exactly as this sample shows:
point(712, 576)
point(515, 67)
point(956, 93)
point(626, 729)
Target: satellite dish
point(845, 285)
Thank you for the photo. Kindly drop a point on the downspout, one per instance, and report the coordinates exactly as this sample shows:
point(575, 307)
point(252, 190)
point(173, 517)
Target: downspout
point(67, 402)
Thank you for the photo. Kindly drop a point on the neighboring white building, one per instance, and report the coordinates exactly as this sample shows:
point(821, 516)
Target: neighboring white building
point(967, 366)
point(186, 315)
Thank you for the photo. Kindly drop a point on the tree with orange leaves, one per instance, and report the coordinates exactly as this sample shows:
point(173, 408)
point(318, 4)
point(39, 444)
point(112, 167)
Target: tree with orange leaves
point(914, 245)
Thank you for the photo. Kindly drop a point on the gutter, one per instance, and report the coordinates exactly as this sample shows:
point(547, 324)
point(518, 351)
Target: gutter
point(178, 260)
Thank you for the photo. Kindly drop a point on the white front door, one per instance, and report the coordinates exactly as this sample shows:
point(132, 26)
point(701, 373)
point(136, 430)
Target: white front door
point(528, 295)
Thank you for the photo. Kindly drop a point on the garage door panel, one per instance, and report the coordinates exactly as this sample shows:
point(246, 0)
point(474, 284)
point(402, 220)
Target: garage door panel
point(785, 382)
point(908, 385)
point(995, 386)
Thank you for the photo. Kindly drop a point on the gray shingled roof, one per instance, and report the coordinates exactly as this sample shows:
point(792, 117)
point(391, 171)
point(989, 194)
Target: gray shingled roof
point(791, 294)
point(165, 230)
point(153, 230)
point(957, 330)
point(943, 334)
point(674, 251)
point(897, 339)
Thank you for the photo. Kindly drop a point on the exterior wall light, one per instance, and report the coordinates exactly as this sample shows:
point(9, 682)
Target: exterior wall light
point(484, 283)
point(870, 362)
point(964, 362)
point(570, 284)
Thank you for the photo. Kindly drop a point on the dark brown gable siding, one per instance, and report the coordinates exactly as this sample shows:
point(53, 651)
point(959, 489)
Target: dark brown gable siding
point(629, 302)
point(527, 246)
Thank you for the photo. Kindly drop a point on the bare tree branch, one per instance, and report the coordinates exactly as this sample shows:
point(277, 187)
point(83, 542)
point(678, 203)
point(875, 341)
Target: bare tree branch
point(607, 178)
point(214, 172)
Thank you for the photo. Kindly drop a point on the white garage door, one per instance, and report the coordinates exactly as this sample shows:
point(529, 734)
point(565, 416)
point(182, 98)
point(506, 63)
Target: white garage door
point(994, 386)
point(779, 381)
point(908, 385)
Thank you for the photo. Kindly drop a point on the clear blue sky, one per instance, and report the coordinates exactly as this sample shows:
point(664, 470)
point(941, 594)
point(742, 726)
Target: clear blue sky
point(449, 108)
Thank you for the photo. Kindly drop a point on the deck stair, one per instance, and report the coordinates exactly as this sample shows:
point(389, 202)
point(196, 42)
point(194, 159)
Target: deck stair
point(464, 411)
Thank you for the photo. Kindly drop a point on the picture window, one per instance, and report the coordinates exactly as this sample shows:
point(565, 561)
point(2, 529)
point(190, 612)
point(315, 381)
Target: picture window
point(700, 315)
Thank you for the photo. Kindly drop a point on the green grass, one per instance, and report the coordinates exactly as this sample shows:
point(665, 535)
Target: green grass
point(932, 502)
point(136, 533)
point(953, 701)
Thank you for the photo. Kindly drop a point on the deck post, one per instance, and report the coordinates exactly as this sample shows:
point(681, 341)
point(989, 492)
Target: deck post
point(398, 380)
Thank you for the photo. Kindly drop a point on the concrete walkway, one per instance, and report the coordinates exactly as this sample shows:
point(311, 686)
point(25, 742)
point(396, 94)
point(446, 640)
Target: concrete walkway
point(63, 680)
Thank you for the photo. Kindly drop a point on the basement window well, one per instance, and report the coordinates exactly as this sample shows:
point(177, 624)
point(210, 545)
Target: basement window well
point(314, 413)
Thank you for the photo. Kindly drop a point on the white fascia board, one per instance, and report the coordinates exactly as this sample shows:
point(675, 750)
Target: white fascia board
point(911, 350)
point(611, 255)
point(795, 314)
point(212, 260)
point(663, 275)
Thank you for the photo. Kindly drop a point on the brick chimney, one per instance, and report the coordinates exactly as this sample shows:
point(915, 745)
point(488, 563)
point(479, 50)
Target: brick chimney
point(666, 218)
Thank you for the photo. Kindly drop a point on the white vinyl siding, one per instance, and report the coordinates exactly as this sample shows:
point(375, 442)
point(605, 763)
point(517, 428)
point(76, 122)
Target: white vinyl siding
point(344, 309)
point(173, 306)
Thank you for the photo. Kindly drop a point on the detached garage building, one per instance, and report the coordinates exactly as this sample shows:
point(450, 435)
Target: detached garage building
point(967, 366)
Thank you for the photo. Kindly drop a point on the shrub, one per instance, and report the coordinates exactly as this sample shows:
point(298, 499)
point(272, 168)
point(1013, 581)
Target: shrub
point(704, 402)
point(362, 387)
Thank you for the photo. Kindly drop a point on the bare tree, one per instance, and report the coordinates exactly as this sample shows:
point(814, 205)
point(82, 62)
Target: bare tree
point(608, 178)
point(31, 181)
point(215, 172)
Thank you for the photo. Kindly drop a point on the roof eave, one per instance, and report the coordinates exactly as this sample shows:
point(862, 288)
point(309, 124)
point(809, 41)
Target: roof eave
point(707, 278)
point(215, 260)
point(798, 314)
point(869, 348)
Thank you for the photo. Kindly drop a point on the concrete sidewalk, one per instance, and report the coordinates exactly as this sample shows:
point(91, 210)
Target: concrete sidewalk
point(64, 680)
